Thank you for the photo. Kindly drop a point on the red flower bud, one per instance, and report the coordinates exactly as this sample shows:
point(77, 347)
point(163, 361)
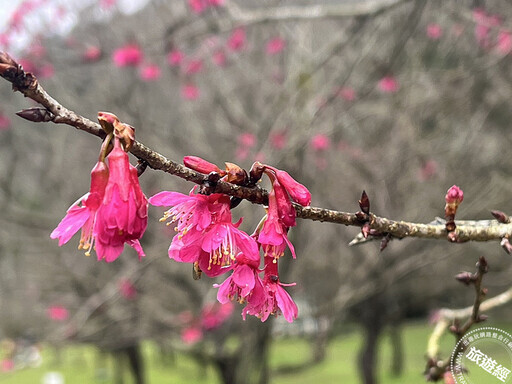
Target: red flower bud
point(454, 195)
point(201, 165)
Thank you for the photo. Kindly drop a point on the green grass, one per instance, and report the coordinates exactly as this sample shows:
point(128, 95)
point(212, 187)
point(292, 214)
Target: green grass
point(78, 363)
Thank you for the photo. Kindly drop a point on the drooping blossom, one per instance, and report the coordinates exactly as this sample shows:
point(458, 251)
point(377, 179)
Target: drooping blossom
point(123, 215)
point(274, 299)
point(434, 31)
point(92, 53)
point(298, 192)
point(388, 84)
point(127, 289)
point(275, 45)
point(128, 55)
point(347, 93)
point(150, 72)
point(5, 122)
point(57, 313)
point(189, 92)
point(320, 142)
point(193, 67)
point(175, 58)
point(504, 43)
point(236, 40)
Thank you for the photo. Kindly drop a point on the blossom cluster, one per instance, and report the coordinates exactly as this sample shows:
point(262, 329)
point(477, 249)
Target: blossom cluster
point(207, 238)
point(114, 211)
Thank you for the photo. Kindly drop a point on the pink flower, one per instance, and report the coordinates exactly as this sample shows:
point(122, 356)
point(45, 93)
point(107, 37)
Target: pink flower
point(200, 165)
point(219, 58)
point(197, 6)
point(428, 170)
point(84, 216)
point(5, 122)
point(175, 58)
point(278, 140)
point(127, 55)
point(388, 84)
point(434, 31)
point(215, 314)
point(107, 4)
point(347, 93)
point(190, 212)
point(150, 72)
point(123, 215)
point(455, 195)
point(189, 92)
point(296, 190)
point(7, 365)
point(320, 142)
point(247, 140)
point(127, 289)
point(504, 44)
point(193, 67)
point(216, 3)
point(241, 283)
point(236, 41)
point(92, 53)
point(482, 35)
point(275, 46)
point(57, 313)
point(191, 335)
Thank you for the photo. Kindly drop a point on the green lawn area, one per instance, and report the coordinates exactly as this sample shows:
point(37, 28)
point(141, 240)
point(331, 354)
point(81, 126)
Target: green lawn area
point(78, 363)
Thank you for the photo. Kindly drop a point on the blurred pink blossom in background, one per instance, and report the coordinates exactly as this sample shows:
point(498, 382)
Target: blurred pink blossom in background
point(107, 4)
point(5, 122)
point(320, 142)
point(189, 92)
point(46, 71)
point(57, 313)
point(504, 44)
point(236, 40)
point(347, 93)
point(127, 55)
point(127, 289)
point(247, 140)
point(388, 84)
point(275, 46)
point(434, 31)
point(219, 58)
point(278, 140)
point(150, 72)
point(175, 57)
point(215, 314)
point(428, 170)
point(92, 53)
point(193, 67)
point(191, 335)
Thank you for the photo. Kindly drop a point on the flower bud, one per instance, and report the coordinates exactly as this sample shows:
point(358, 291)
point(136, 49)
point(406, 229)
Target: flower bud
point(455, 195)
point(201, 165)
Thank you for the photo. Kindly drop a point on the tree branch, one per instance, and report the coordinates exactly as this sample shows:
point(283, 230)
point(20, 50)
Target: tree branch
point(379, 227)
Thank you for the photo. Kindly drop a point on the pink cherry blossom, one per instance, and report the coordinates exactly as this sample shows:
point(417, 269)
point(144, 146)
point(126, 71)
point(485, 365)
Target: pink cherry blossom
point(7, 365)
point(84, 216)
point(5, 122)
point(189, 92)
point(236, 41)
point(92, 53)
point(275, 46)
point(150, 72)
point(127, 55)
point(388, 84)
point(107, 4)
point(347, 93)
point(504, 44)
point(320, 142)
point(193, 67)
point(278, 140)
point(219, 58)
point(175, 58)
point(247, 140)
point(428, 170)
point(434, 31)
point(57, 313)
point(127, 289)
point(213, 315)
point(197, 6)
point(201, 165)
point(482, 35)
point(191, 335)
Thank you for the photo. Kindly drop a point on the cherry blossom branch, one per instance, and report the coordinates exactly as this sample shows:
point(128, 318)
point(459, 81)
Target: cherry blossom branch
point(376, 227)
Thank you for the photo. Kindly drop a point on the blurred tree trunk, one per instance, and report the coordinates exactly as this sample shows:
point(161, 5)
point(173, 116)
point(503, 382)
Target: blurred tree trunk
point(136, 362)
point(372, 320)
point(249, 363)
point(397, 350)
